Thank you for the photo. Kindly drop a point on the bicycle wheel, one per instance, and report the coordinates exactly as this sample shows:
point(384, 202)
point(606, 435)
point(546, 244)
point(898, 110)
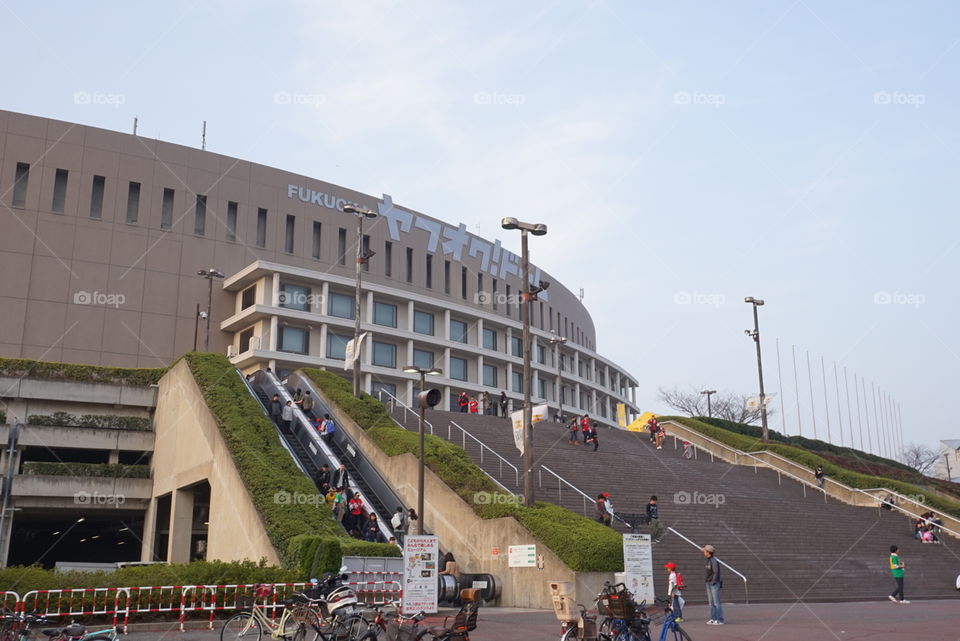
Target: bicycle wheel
point(572, 634)
point(679, 634)
point(241, 626)
point(309, 624)
point(349, 628)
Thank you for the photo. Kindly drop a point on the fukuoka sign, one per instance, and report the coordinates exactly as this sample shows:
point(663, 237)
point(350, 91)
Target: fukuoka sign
point(455, 242)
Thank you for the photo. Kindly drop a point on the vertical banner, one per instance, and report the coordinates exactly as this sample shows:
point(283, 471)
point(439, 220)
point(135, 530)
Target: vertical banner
point(517, 418)
point(420, 573)
point(638, 566)
point(351, 353)
point(622, 414)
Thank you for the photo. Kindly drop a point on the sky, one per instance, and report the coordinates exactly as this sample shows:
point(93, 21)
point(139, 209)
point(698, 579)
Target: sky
point(684, 155)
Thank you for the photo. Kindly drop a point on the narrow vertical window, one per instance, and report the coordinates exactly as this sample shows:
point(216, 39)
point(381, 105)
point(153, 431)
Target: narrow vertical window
point(261, 227)
point(409, 264)
point(166, 209)
point(365, 250)
point(20, 184)
point(232, 220)
point(446, 277)
point(508, 297)
point(59, 191)
point(479, 296)
point(429, 271)
point(493, 297)
point(200, 216)
point(288, 233)
point(388, 259)
point(317, 237)
point(96, 196)
point(342, 247)
point(133, 202)
point(463, 282)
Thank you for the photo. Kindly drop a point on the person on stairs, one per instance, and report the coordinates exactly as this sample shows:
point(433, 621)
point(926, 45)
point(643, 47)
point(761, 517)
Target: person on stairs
point(603, 516)
point(463, 400)
point(503, 403)
point(653, 517)
point(593, 437)
point(574, 426)
point(585, 427)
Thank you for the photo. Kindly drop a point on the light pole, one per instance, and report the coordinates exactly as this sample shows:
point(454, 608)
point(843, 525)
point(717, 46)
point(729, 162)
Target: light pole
point(362, 258)
point(423, 402)
point(708, 393)
point(529, 294)
point(755, 334)
point(209, 274)
point(557, 341)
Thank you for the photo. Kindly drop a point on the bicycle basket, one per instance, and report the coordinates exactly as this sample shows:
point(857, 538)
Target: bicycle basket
point(618, 605)
point(262, 591)
point(403, 632)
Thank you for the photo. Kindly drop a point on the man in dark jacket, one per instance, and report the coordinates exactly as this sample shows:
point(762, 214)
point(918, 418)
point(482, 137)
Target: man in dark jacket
point(275, 408)
point(323, 476)
point(714, 583)
point(340, 478)
point(653, 517)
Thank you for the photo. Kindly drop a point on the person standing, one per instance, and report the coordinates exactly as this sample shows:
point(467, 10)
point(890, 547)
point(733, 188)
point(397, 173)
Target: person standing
point(399, 524)
point(896, 571)
point(328, 428)
point(286, 415)
point(463, 400)
point(308, 402)
point(593, 436)
point(298, 398)
point(653, 516)
point(503, 403)
point(585, 427)
point(573, 431)
point(323, 476)
point(818, 474)
point(355, 505)
point(340, 478)
point(485, 402)
point(674, 586)
point(276, 409)
point(714, 583)
point(602, 515)
point(474, 406)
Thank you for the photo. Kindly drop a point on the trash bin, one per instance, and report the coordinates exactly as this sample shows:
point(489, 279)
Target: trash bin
point(564, 601)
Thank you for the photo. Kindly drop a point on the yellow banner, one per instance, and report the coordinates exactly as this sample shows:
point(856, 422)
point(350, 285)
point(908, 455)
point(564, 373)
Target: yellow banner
point(622, 414)
point(640, 424)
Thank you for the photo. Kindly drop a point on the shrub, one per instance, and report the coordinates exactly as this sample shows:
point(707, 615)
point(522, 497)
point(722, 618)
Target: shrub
point(65, 419)
point(312, 555)
point(25, 368)
point(582, 544)
point(105, 470)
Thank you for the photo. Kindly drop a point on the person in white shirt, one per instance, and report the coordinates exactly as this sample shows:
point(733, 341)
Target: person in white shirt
point(673, 592)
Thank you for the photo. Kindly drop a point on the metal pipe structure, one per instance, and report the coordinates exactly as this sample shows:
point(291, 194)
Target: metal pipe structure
point(209, 274)
point(557, 341)
point(362, 258)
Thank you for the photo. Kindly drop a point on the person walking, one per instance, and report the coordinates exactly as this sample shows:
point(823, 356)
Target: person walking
point(896, 571)
point(714, 583)
point(286, 415)
point(603, 516)
point(463, 400)
point(573, 431)
point(593, 437)
point(276, 409)
point(674, 587)
point(653, 516)
point(818, 475)
point(503, 403)
point(585, 427)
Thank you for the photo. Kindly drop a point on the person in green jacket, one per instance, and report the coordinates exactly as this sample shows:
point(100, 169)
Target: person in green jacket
point(896, 570)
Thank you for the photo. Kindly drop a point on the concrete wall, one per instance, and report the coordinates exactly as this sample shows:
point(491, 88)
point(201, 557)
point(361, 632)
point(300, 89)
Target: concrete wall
point(470, 538)
point(85, 393)
point(189, 449)
point(76, 492)
point(86, 438)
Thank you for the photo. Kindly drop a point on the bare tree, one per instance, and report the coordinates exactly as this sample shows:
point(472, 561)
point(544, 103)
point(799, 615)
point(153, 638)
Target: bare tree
point(919, 457)
point(726, 405)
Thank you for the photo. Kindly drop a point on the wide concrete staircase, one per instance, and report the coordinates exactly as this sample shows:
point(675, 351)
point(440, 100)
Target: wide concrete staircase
point(790, 543)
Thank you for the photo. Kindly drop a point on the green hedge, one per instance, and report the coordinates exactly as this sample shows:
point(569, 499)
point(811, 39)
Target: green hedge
point(23, 579)
point(262, 462)
point(107, 470)
point(584, 545)
point(65, 419)
point(812, 460)
point(312, 555)
point(25, 368)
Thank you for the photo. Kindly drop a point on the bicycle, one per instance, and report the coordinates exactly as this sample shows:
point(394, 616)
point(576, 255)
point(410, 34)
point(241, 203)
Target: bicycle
point(624, 619)
point(398, 629)
point(17, 626)
point(295, 624)
point(670, 629)
point(389, 623)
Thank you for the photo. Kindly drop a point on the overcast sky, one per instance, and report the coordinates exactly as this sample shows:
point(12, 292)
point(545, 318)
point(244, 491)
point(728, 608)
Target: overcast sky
point(683, 154)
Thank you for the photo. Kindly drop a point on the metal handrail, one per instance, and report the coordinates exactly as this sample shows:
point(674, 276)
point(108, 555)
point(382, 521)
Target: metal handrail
point(405, 409)
point(483, 446)
point(700, 547)
point(573, 487)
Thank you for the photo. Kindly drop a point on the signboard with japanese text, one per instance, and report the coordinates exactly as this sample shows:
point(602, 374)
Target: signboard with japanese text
point(522, 556)
point(420, 561)
point(638, 566)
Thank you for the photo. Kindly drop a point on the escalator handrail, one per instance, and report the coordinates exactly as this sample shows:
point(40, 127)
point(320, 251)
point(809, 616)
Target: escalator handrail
point(283, 441)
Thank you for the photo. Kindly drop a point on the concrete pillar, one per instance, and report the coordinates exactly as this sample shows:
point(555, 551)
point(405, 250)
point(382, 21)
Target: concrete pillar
point(275, 290)
point(479, 369)
point(446, 324)
point(114, 457)
point(410, 310)
point(274, 330)
point(367, 383)
point(509, 382)
point(181, 526)
point(323, 340)
point(367, 315)
point(633, 394)
point(411, 388)
point(479, 333)
point(324, 293)
point(149, 531)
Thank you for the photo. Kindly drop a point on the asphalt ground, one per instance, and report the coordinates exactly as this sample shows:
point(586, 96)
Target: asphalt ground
point(873, 621)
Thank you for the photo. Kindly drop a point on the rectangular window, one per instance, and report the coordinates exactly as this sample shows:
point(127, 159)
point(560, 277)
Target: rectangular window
point(384, 354)
point(337, 346)
point(517, 382)
point(541, 314)
point(384, 314)
point(479, 288)
point(516, 346)
point(59, 191)
point(429, 271)
point(377, 389)
point(166, 210)
point(446, 277)
point(295, 297)
point(261, 227)
point(458, 331)
point(20, 181)
point(489, 339)
point(541, 354)
point(422, 359)
point(342, 247)
point(317, 237)
point(463, 282)
point(96, 196)
point(409, 264)
point(493, 297)
point(200, 218)
point(508, 300)
point(387, 259)
point(133, 202)
point(294, 339)
point(288, 233)
point(231, 220)
point(458, 368)
point(245, 337)
point(365, 251)
point(423, 323)
point(341, 306)
point(490, 375)
point(249, 297)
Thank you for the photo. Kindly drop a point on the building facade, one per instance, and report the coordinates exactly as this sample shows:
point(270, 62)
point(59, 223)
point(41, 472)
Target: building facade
point(104, 234)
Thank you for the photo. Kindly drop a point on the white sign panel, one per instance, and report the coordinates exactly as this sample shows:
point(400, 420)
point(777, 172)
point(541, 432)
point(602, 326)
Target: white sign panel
point(638, 566)
point(522, 556)
point(517, 418)
point(420, 562)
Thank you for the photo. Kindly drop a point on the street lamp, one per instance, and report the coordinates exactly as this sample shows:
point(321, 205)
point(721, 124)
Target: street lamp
point(557, 341)
point(709, 393)
point(425, 399)
point(755, 335)
point(209, 274)
point(362, 259)
point(529, 295)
